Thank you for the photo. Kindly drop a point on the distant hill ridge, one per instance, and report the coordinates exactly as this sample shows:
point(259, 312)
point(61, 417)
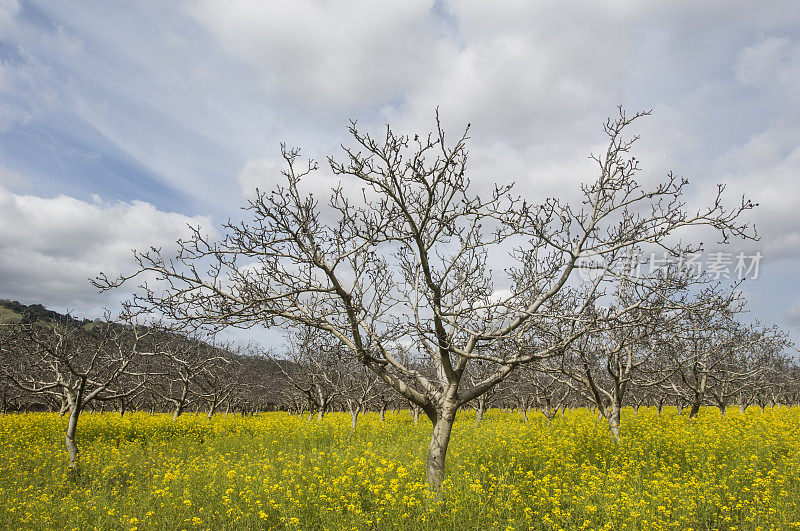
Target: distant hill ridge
point(15, 312)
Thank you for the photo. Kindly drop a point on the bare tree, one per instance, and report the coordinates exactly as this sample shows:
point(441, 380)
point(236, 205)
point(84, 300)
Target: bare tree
point(746, 356)
point(189, 369)
point(216, 382)
point(520, 390)
point(721, 360)
point(778, 372)
point(550, 393)
point(475, 375)
point(698, 351)
point(385, 398)
point(11, 398)
point(635, 327)
point(83, 365)
point(258, 383)
point(357, 389)
point(404, 259)
point(313, 368)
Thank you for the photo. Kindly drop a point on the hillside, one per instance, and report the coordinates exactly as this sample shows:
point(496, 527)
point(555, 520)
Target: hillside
point(15, 312)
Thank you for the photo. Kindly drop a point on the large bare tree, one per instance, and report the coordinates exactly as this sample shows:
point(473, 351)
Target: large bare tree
point(400, 255)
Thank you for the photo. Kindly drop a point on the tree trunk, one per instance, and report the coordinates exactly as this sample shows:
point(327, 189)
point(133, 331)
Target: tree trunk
point(695, 407)
point(353, 418)
point(72, 425)
point(547, 412)
point(437, 451)
point(614, 420)
point(699, 395)
point(321, 414)
point(383, 413)
point(479, 411)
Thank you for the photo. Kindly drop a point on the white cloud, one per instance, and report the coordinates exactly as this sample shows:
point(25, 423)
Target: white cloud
point(50, 247)
point(261, 173)
point(8, 10)
point(333, 58)
point(765, 169)
point(792, 316)
point(12, 180)
point(11, 116)
point(765, 166)
point(773, 63)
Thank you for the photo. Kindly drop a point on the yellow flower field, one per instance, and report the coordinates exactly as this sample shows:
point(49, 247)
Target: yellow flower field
point(279, 471)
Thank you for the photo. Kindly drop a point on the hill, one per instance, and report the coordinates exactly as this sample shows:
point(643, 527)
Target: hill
point(16, 312)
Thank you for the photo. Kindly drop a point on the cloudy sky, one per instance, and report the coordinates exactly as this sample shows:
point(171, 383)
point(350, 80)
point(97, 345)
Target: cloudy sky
point(122, 122)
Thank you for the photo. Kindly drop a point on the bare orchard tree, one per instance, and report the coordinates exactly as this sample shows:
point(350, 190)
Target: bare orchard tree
point(259, 384)
point(476, 374)
point(787, 390)
point(549, 393)
point(131, 389)
point(769, 346)
point(400, 254)
point(11, 398)
point(747, 355)
point(85, 365)
point(698, 350)
point(628, 347)
point(520, 392)
point(357, 389)
point(185, 364)
point(216, 382)
point(714, 354)
point(14, 363)
point(385, 398)
point(777, 372)
point(312, 368)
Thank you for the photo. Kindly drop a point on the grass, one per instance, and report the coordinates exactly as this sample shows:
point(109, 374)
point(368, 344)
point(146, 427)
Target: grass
point(276, 471)
point(9, 316)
